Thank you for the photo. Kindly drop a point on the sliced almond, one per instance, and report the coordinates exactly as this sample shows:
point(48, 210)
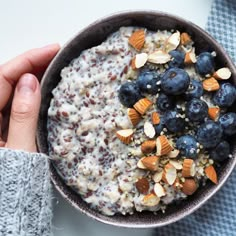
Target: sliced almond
point(150, 200)
point(142, 105)
point(157, 176)
point(211, 174)
point(155, 118)
point(169, 174)
point(137, 39)
point(149, 129)
point(163, 145)
point(222, 74)
point(172, 42)
point(159, 190)
point(134, 116)
point(173, 154)
point(210, 84)
point(150, 162)
point(159, 57)
point(148, 146)
point(185, 38)
point(140, 60)
point(189, 186)
point(190, 57)
point(213, 113)
point(140, 164)
point(142, 185)
point(125, 135)
point(189, 168)
point(176, 164)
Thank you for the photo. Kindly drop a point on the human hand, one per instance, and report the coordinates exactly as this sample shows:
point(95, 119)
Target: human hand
point(20, 97)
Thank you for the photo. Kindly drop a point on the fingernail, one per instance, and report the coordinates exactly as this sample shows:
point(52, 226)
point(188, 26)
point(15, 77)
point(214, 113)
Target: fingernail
point(27, 84)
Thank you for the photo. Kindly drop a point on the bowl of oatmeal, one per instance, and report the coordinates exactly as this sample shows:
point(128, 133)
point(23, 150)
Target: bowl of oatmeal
point(138, 119)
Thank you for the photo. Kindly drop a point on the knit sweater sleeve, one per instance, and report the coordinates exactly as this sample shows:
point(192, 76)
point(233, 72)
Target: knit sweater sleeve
point(25, 194)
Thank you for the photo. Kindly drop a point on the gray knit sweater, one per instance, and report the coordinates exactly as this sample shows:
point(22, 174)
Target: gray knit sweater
point(25, 194)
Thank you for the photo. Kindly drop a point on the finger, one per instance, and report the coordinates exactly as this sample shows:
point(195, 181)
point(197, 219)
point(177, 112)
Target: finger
point(29, 62)
point(24, 114)
point(5, 118)
point(1, 119)
point(2, 143)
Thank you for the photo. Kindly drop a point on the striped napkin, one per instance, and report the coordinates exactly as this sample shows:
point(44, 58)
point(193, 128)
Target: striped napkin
point(218, 216)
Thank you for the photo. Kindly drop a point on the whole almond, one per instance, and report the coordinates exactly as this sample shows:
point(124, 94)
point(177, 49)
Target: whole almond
point(189, 168)
point(210, 84)
point(213, 113)
point(142, 105)
point(163, 145)
point(142, 185)
point(137, 39)
point(189, 186)
point(134, 116)
point(140, 164)
point(150, 162)
point(125, 135)
point(211, 174)
point(155, 118)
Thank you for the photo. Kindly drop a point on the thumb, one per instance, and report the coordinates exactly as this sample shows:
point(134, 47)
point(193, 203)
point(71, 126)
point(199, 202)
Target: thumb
point(24, 114)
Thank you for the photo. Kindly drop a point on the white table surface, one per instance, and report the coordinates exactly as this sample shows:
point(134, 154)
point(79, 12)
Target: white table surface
point(27, 24)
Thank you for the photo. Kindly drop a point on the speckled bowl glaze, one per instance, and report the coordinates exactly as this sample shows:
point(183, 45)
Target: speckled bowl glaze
point(93, 35)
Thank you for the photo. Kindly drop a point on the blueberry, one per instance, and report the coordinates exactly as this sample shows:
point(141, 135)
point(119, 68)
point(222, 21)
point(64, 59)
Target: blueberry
point(129, 94)
point(225, 96)
point(228, 123)
point(175, 81)
point(195, 90)
point(178, 59)
point(209, 134)
point(187, 145)
point(196, 110)
point(205, 63)
point(220, 152)
point(147, 82)
point(165, 102)
point(173, 122)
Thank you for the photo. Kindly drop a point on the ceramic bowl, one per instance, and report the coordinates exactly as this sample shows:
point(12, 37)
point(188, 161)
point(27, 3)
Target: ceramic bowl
point(94, 35)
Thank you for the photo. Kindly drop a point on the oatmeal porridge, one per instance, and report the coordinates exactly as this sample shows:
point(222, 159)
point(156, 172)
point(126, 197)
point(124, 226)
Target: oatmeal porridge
point(140, 121)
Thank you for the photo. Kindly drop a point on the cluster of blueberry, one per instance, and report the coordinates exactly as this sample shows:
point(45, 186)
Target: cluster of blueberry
point(175, 86)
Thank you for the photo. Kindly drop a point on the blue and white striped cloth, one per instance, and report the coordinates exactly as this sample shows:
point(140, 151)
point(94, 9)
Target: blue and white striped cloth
point(218, 216)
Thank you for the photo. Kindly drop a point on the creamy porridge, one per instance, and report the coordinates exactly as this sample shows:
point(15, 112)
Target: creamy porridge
point(122, 155)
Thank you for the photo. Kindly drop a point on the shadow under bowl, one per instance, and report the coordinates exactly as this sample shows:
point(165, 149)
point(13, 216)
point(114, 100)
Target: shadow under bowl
point(94, 35)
